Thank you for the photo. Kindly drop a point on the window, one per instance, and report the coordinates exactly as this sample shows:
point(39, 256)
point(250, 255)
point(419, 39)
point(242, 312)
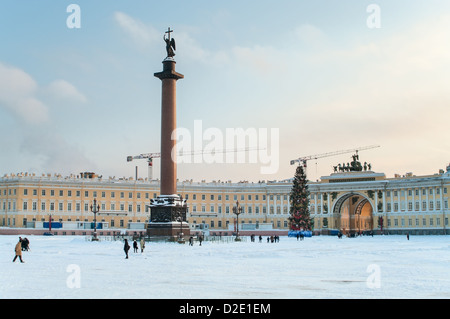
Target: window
point(61, 192)
point(25, 206)
point(69, 193)
point(130, 195)
point(86, 193)
point(212, 196)
point(203, 196)
point(25, 191)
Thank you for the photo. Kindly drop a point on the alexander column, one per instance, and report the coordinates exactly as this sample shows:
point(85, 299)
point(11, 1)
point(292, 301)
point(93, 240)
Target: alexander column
point(168, 211)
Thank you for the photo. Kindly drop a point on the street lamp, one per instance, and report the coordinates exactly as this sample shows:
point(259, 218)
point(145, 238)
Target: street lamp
point(237, 210)
point(95, 209)
point(180, 216)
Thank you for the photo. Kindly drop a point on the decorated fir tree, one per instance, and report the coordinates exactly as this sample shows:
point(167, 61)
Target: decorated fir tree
point(299, 200)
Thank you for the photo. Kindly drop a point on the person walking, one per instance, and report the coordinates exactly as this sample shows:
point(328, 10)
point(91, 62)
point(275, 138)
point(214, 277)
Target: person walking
point(135, 246)
point(200, 239)
point(142, 245)
point(126, 248)
point(191, 241)
point(18, 250)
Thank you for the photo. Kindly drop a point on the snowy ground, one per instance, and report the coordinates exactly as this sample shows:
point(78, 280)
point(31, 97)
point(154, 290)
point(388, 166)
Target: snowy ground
point(318, 267)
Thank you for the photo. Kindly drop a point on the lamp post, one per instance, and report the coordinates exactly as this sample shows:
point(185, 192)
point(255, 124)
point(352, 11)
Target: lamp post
point(95, 209)
point(237, 210)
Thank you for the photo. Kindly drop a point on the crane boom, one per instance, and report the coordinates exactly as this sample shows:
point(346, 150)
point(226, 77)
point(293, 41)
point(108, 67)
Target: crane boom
point(304, 159)
point(151, 156)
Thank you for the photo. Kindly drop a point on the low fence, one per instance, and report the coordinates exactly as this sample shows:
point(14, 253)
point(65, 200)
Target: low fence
point(167, 239)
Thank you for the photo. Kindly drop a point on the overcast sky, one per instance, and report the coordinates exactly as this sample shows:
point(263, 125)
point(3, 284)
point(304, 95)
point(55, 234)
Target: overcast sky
point(322, 73)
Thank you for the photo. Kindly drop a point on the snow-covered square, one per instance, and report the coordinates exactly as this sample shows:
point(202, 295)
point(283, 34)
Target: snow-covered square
point(64, 267)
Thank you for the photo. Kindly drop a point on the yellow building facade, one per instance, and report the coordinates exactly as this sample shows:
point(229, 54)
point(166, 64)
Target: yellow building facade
point(348, 202)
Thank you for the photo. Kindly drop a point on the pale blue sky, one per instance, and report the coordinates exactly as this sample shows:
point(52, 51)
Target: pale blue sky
point(75, 100)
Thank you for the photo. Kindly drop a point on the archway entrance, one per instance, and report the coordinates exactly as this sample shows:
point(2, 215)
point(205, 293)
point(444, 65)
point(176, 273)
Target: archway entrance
point(355, 214)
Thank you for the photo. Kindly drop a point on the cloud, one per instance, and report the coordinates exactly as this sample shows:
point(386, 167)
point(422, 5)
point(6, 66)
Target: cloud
point(18, 93)
point(141, 33)
point(52, 153)
point(62, 89)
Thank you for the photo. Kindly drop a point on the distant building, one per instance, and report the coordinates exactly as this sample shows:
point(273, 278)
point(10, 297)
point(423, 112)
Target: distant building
point(349, 202)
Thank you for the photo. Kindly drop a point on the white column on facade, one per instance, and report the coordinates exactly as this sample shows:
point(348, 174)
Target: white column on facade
point(281, 204)
point(420, 199)
point(315, 202)
point(434, 198)
point(329, 203)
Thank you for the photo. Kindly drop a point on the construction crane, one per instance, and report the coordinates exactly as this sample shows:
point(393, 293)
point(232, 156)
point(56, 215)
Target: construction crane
point(304, 159)
point(151, 156)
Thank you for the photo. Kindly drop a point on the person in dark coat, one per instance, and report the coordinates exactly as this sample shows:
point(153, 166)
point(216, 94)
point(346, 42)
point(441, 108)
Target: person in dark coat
point(126, 248)
point(191, 241)
point(135, 246)
point(25, 244)
point(200, 239)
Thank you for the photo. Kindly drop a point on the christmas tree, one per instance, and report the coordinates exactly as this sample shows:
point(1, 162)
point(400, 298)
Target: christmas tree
point(299, 200)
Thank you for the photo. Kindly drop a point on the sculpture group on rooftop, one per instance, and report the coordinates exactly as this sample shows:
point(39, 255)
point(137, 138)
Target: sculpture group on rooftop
point(354, 166)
